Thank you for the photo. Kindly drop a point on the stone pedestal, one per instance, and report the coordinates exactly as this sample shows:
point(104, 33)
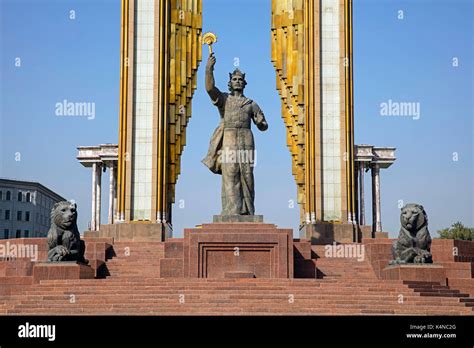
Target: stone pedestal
point(135, 231)
point(61, 270)
point(230, 250)
point(415, 272)
point(215, 250)
point(237, 218)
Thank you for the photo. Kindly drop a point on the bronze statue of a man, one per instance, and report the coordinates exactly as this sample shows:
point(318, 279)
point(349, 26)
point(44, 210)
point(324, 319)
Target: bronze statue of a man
point(232, 149)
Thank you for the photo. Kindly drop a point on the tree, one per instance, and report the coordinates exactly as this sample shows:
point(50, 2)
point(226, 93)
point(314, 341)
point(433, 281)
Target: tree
point(457, 231)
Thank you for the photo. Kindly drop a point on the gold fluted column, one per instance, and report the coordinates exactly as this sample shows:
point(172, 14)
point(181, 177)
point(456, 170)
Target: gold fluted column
point(353, 168)
point(325, 189)
point(185, 53)
point(288, 58)
point(160, 84)
point(176, 55)
point(123, 109)
point(349, 111)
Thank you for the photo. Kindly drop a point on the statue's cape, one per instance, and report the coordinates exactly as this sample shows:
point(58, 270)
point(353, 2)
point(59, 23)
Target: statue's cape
point(212, 160)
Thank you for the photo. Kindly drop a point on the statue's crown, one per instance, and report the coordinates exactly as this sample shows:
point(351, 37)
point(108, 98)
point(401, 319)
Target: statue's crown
point(237, 72)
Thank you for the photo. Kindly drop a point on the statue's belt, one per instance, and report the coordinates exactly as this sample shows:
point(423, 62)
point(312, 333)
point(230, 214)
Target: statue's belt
point(236, 125)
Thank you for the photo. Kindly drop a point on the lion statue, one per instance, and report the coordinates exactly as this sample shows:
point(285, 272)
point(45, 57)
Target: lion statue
point(414, 241)
point(64, 240)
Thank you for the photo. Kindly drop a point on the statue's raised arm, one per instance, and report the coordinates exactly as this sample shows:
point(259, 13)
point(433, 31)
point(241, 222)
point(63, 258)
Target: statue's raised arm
point(211, 88)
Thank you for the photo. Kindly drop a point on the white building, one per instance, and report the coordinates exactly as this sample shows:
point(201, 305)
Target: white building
point(25, 208)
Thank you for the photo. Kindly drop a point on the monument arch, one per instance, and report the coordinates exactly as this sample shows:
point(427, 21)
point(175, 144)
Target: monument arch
point(311, 50)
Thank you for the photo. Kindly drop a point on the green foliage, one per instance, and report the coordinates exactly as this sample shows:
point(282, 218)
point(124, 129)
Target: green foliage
point(457, 231)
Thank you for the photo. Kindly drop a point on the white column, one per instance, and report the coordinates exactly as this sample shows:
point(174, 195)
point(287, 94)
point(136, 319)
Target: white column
point(115, 193)
point(330, 103)
point(361, 194)
point(377, 223)
point(355, 213)
point(94, 196)
point(111, 193)
point(98, 201)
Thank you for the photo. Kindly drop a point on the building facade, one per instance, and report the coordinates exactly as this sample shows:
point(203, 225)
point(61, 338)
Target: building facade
point(25, 208)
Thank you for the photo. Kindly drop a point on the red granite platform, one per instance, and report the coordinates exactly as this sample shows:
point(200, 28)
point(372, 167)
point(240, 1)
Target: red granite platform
point(134, 284)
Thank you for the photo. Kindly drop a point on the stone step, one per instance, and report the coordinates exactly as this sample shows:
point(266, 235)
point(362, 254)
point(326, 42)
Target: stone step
point(145, 244)
point(237, 226)
point(231, 307)
point(465, 285)
point(143, 257)
point(133, 264)
point(252, 282)
point(229, 288)
point(254, 298)
point(237, 288)
point(434, 294)
point(16, 280)
point(222, 292)
point(175, 296)
point(49, 285)
point(238, 311)
point(243, 306)
point(323, 284)
point(203, 292)
point(164, 283)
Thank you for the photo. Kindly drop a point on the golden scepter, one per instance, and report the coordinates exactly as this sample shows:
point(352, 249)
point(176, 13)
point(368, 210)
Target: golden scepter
point(208, 39)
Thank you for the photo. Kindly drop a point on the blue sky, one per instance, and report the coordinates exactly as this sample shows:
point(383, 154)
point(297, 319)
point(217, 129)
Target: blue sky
point(404, 60)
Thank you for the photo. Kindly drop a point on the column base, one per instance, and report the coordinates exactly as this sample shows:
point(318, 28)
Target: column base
point(133, 231)
point(329, 232)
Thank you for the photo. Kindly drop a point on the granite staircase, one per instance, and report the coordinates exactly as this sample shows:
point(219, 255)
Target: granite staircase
point(132, 286)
